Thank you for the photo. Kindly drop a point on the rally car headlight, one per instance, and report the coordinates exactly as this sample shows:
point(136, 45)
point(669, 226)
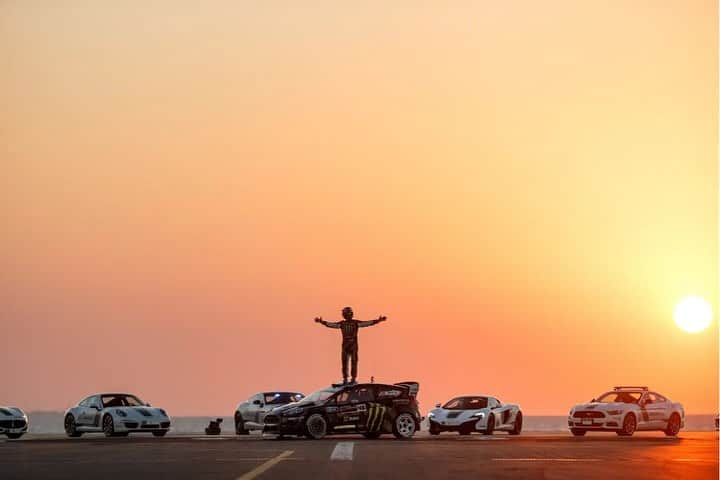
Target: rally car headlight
point(121, 413)
point(614, 412)
point(479, 415)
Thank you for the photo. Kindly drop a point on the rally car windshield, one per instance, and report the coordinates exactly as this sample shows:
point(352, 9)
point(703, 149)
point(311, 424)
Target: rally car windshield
point(620, 397)
point(319, 396)
point(281, 398)
point(466, 403)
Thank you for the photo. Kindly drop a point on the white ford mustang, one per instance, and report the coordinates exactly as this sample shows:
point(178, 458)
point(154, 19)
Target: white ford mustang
point(115, 414)
point(475, 413)
point(625, 410)
point(13, 422)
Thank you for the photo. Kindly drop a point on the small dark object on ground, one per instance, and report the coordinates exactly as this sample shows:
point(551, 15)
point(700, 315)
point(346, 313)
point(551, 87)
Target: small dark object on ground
point(214, 427)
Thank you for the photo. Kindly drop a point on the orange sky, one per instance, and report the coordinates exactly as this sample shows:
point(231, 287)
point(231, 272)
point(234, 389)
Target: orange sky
point(525, 190)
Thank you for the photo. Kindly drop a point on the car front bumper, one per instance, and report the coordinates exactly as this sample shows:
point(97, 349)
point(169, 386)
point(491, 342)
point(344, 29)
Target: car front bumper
point(132, 425)
point(609, 423)
point(444, 426)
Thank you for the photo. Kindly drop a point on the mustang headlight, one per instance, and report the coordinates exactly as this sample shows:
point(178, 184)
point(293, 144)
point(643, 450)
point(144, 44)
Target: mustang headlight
point(479, 415)
point(294, 411)
point(121, 413)
point(614, 412)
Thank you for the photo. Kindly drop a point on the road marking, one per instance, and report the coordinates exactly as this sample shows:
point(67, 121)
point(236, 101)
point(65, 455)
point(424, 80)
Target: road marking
point(535, 459)
point(343, 451)
point(265, 466)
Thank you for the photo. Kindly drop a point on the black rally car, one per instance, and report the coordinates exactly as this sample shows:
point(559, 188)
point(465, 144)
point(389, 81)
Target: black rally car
point(367, 408)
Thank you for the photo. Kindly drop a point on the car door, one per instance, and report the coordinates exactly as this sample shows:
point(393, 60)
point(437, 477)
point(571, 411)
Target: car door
point(658, 410)
point(86, 412)
point(350, 411)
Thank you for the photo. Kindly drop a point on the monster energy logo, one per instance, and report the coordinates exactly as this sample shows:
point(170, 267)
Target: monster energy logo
point(376, 414)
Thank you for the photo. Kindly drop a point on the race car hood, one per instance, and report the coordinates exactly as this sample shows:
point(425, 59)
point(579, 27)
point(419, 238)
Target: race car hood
point(456, 417)
point(288, 406)
point(11, 412)
point(602, 407)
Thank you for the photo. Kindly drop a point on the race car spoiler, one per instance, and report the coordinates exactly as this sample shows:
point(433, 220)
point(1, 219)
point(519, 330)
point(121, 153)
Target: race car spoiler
point(413, 387)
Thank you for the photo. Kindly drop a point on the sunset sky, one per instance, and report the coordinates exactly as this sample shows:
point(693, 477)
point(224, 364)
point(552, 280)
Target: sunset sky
point(526, 189)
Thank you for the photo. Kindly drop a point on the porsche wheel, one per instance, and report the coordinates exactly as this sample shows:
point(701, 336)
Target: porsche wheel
point(14, 436)
point(673, 425)
point(108, 426)
point(629, 426)
point(70, 426)
point(577, 432)
point(404, 426)
point(490, 428)
point(316, 426)
point(517, 427)
point(240, 425)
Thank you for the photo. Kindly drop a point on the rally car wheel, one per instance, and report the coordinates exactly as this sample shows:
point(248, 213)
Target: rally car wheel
point(490, 428)
point(629, 425)
point(517, 427)
point(404, 426)
point(372, 435)
point(70, 429)
point(673, 425)
point(577, 432)
point(316, 426)
point(108, 426)
point(240, 425)
point(14, 436)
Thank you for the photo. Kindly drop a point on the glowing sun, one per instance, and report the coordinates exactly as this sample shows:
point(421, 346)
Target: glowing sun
point(693, 314)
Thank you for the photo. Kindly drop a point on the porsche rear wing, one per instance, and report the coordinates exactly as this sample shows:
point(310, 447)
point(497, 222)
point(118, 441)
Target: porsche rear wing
point(413, 387)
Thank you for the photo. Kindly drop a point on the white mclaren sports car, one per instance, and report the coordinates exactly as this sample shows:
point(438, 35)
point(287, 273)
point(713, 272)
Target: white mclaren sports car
point(475, 413)
point(115, 415)
point(625, 410)
point(13, 422)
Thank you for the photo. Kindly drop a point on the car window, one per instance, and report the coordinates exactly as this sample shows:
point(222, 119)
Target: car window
point(659, 398)
point(620, 397)
point(85, 402)
point(467, 403)
point(362, 394)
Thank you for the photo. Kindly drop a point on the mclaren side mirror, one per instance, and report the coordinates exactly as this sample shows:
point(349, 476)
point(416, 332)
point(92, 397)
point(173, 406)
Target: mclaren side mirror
point(593, 400)
point(148, 405)
point(437, 405)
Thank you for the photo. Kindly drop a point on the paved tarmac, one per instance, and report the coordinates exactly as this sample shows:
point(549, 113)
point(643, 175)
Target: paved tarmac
point(692, 456)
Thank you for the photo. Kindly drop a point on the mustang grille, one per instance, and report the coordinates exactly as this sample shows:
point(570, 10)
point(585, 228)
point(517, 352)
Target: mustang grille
point(271, 419)
point(585, 414)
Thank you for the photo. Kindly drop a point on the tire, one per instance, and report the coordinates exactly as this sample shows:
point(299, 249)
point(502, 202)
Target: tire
point(404, 426)
point(577, 432)
point(490, 428)
point(673, 425)
point(159, 433)
point(434, 430)
point(14, 436)
point(629, 426)
point(240, 425)
point(372, 435)
point(316, 426)
point(71, 426)
point(517, 428)
point(108, 426)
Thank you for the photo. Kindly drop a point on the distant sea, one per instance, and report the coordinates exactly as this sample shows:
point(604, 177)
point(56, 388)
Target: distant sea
point(52, 422)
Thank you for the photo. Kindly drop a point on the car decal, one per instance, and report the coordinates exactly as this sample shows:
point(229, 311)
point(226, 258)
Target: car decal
point(375, 417)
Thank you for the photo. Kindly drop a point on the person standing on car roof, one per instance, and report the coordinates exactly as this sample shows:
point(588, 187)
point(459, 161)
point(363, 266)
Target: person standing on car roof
point(349, 328)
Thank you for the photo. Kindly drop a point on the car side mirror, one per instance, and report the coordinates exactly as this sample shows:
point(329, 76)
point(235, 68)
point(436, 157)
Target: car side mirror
point(593, 400)
point(437, 405)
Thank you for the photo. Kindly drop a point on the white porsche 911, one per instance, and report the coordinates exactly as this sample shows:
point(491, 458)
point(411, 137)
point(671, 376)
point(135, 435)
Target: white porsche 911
point(475, 413)
point(626, 410)
point(13, 422)
point(115, 414)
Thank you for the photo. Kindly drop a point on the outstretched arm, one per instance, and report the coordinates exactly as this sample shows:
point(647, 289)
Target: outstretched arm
point(369, 323)
point(327, 324)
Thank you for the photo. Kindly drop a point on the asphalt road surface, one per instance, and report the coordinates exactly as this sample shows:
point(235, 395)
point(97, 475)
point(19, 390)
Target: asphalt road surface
point(529, 456)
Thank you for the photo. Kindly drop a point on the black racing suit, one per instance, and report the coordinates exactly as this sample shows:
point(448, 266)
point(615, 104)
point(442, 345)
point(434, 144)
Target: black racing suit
point(349, 330)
